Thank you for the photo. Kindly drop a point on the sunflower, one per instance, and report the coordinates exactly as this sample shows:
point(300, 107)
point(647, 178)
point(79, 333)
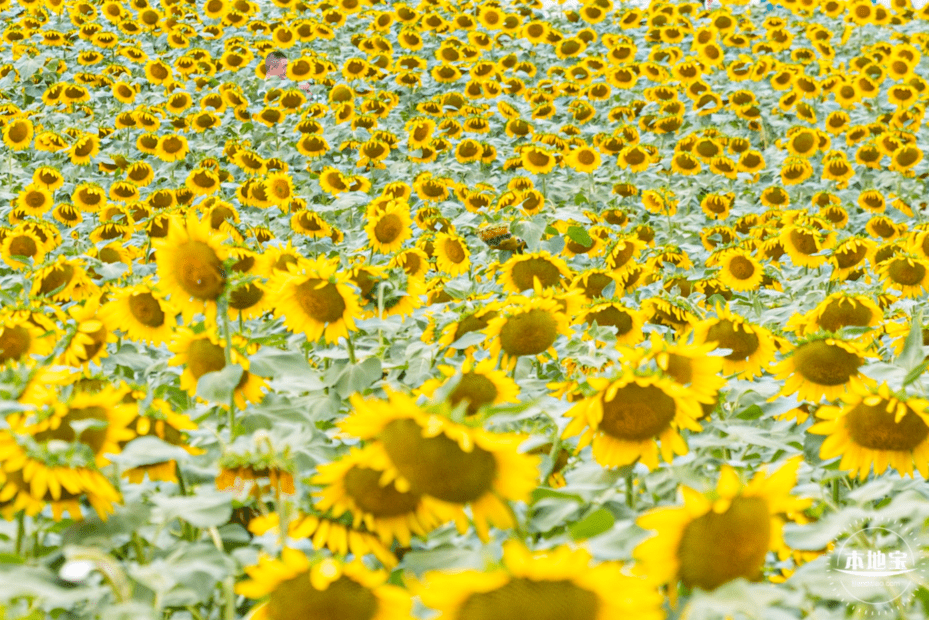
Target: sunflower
point(627, 322)
point(849, 255)
point(352, 484)
point(141, 313)
point(538, 160)
point(905, 273)
point(190, 265)
point(804, 245)
point(62, 280)
point(389, 227)
point(628, 416)
point(521, 272)
point(297, 587)
point(690, 365)
point(720, 535)
point(22, 243)
point(413, 261)
point(528, 327)
point(583, 159)
point(451, 254)
point(739, 270)
point(838, 310)
point(313, 298)
point(474, 321)
point(752, 346)
point(454, 463)
point(876, 426)
point(557, 583)
point(162, 422)
point(821, 367)
point(91, 337)
point(476, 385)
point(21, 338)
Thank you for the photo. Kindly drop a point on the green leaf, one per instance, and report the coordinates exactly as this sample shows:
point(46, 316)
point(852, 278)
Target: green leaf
point(358, 377)
point(269, 362)
point(543, 493)
point(217, 387)
point(595, 523)
point(469, 339)
point(912, 354)
point(915, 374)
point(206, 509)
point(579, 235)
point(148, 450)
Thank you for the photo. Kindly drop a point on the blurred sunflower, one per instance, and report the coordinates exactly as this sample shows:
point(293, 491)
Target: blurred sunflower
point(720, 535)
point(298, 587)
point(528, 327)
point(190, 265)
point(838, 310)
point(876, 426)
point(905, 273)
point(821, 367)
point(558, 583)
point(627, 322)
point(90, 338)
point(140, 313)
point(162, 422)
point(522, 272)
point(201, 353)
point(752, 346)
point(21, 339)
point(475, 385)
point(388, 228)
point(453, 463)
point(315, 299)
point(352, 484)
point(628, 416)
point(739, 270)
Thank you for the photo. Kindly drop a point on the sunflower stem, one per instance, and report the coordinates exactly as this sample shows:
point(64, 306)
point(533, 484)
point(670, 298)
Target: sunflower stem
point(228, 583)
point(137, 544)
point(630, 493)
point(228, 350)
point(20, 531)
point(281, 515)
point(836, 492)
point(553, 455)
point(351, 349)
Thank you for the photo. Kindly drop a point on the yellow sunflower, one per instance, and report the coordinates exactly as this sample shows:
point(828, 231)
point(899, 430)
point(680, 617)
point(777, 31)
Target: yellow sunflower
point(691, 365)
point(92, 335)
point(528, 327)
point(190, 266)
point(627, 322)
point(906, 273)
point(752, 346)
point(521, 272)
point(875, 426)
point(821, 367)
point(451, 253)
point(838, 310)
point(315, 299)
point(141, 313)
point(476, 385)
point(352, 484)
point(739, 270)
point(388, 228)
point(453, 463)
point(298, 587)
point(628, 416)
point(558, 583)
point(21, 338)
point(206, 352)
point(720, 535)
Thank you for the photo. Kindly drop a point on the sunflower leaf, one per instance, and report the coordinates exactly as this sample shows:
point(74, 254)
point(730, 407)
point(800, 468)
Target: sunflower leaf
point(915, 373)
point(580, 236)
point(469, 339)
point(912, 354)
point(595, 523)
point(217, 387)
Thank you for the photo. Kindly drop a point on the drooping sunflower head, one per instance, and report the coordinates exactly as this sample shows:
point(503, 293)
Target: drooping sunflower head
point(521, 272)
point(474, 387)
point(821, 367)
point(529, 328)
point(752, 346)
point(876, 426)
point(721, 535)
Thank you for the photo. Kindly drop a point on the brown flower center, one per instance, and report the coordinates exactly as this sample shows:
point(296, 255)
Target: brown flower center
point(454, 251)
point(611, 316)
point(146, 310)
point(14, 342)
point(874, 427)
point(905, 272)
point(524, 272)
point(361, 484)
point(324, 304)
point(742, 342)
point(527, 598)
point(637, 413)
point(741, 268)
point(529, 333)
point(94, 437)
point(477, 390)
point(437, 466)
point(199, 271)
point(826, 364)
point(843, 313)
point(716, 548)
point(388, 228)
point(344, 599)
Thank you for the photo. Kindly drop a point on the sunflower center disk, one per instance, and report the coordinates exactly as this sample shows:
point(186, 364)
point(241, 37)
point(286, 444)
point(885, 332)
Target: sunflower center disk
point(826, 364)
point(742, 343)
point(529, 333)
point(716, 548)
point(637, 413)
point(56, 278)
point(741, 268)
point(437, 466)
point(680, 368)
point(454, 251)
point(477, 390)
point(362, 486)
point(538, 600)
point(853, 314)
point(200, 271)
point(14, 342)
point(323, 304)
point(388, 228)
point(92, 436)
point(906, 273)
point(874, 428)
point(343, 599)
point(244, 297)
point(612, 317)
point(146, 310)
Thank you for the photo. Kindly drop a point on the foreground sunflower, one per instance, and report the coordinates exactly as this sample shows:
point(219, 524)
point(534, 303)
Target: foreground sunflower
point(315, 299)
point(628, 416)
point(454, 463)
point(875, 426)
point(477, 385)
point(529, 327)
point(298, 587)
point(722, 535)
point(140, 313)
point(190, 265)
point(558, 584)
point(204, 353)
point(352, 484)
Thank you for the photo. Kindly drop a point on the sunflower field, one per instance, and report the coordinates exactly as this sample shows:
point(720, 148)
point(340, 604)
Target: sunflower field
point(474, 311)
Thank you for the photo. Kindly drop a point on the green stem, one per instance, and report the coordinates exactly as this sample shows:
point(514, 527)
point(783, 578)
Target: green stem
point(224, 307)
point(20, 532)
point(282, 515)
point(836, 492)
point(630, 493)
point(139, 552)
point(351, 349)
